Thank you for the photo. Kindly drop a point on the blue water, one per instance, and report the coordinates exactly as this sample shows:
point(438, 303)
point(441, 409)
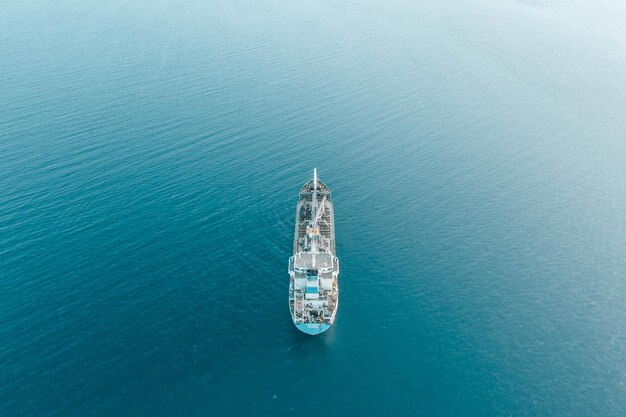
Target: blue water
point(150, 158)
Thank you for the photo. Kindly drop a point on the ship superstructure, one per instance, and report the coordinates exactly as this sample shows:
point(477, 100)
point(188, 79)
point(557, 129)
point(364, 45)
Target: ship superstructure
point(314, 268)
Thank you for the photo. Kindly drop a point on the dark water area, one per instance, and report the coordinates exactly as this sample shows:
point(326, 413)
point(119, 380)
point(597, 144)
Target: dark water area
point(150, 159)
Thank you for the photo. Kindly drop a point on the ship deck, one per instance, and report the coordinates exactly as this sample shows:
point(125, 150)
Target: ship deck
point(313, 269)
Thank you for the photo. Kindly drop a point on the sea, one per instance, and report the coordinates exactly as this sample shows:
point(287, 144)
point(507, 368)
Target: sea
point(151, 154)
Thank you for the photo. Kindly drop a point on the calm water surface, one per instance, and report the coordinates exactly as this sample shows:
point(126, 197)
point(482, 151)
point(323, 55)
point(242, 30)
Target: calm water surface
point(150, 158)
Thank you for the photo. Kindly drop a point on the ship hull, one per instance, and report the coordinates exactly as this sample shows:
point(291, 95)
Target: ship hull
point(313, 328)
point(314, 268)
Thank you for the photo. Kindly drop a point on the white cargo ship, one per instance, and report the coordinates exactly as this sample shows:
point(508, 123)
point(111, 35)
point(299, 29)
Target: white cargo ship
point(314, 268)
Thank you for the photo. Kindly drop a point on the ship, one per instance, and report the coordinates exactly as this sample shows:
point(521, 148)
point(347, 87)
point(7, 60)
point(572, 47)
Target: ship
point(314, 268)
